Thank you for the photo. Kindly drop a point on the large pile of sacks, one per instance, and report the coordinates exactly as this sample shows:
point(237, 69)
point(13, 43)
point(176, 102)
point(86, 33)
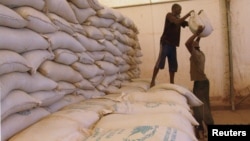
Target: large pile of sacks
point(162, 112)
point(57, 52)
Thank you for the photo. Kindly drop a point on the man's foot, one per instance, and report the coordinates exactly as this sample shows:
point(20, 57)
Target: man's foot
point(152, 84)
point(205, 128)
point(199, 133)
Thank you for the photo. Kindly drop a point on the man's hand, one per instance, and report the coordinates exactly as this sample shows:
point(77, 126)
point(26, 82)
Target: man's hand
point(200, 29)
point(189, 13)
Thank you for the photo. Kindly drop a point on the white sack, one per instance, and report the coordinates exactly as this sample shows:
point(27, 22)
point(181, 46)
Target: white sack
point(47, 97)
point(152, 108)
point(173, 120)
point(10, 18)
point(103, 56)
point(136, 133)
point(114, 97)
point(138, 53)
point(37, 4)
point(100, 106)
point(124, 67)
point(142, 84)
point(127, 58)
point(11, 61)
point(135, 72)
point(116, 83)
point(109, 68)
point(96, 55)
point(101, 88)
point(19, 40)
point(95, 4)
point(108, 35)
point(78, 28)
point(59, 72)
point(19, 121)
point(88, 94)
point(37, 57)
point(85, 85)
point(122, 29)
point(110, 13)
point(82, 14)
point(85, 58)
point(62, 9)
point(81, 3)
point(96, 80)
point(61, 23)
point(109, 57)
point(86, 119)
point(64, 41)
point(65, 56)
point(108, 79)
point(87, 70)
point(93, 32)
point(131, 34)
point(65, 101)
point(37, 20)
point(137, 61)
point(127, 90)
point(196, 20)
point(125, 39)
point(17, 101)
point(157, 96)
point(192, 99)
point(132, 61)
point(123, 76)
point(146, 80)
point(110, 47)
point(66, 87)
point(89, 43)
point(25, 82)
point(99, 22)
point(129, 24)
point(131, 51)
point(121, 46)
point(52, 128)
point(111, 89)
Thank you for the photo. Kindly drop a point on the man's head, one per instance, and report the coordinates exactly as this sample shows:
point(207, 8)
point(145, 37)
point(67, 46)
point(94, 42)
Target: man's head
point(176, 9)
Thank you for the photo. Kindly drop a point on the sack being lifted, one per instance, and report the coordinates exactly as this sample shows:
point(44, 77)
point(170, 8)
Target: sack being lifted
point(200, 19)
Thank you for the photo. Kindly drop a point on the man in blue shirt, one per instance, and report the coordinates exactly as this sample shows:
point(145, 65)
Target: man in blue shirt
point(170, 39)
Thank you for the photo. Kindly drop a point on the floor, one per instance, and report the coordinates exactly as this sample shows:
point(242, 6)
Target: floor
point(225, 113)
point(240, 116)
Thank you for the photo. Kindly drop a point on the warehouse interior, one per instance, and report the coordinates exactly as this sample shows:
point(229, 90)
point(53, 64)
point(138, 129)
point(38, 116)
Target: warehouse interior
point(226, 48)
point(80, 70)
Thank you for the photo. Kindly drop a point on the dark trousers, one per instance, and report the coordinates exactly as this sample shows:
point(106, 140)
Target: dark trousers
point(202, 113)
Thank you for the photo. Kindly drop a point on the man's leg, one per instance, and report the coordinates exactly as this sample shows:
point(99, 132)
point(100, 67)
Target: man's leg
point(172, 63)
point(156, 70)
point(159, 64)
point(171, 74)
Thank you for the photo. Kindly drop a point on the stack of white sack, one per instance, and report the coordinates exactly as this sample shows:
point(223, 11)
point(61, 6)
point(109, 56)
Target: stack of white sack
point(54, 53)
point(71, 123)
point(162, 112)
